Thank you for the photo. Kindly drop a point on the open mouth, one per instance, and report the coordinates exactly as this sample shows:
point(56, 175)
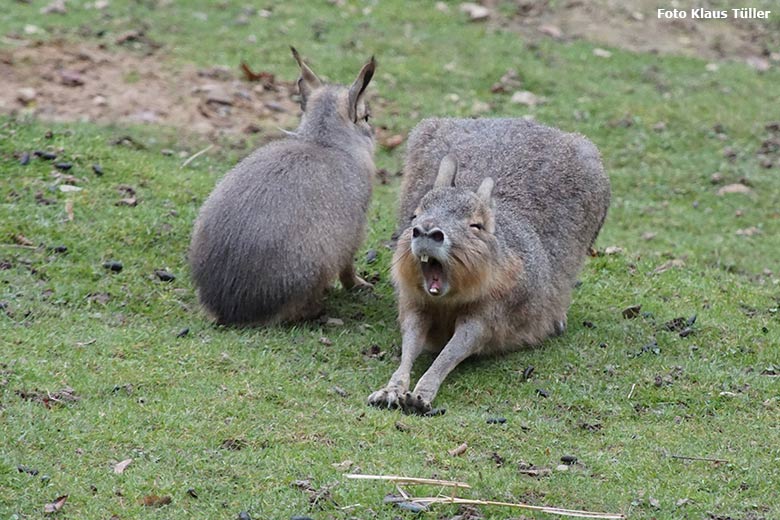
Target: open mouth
point(433, 272)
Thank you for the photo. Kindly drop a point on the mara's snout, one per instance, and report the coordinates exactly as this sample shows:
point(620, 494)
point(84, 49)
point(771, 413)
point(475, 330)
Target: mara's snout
point(430, 245)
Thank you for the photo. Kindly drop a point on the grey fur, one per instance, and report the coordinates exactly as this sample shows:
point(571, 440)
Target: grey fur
point(288, 219)
point(509, 253)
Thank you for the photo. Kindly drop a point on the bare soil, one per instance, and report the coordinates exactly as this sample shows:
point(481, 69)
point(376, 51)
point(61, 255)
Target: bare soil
point(60, 81)
point(633, 25)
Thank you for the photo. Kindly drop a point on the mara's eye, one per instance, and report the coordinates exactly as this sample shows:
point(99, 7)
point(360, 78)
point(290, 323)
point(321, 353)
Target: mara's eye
point(413, 217)
point(477, 226)
point(366, 117)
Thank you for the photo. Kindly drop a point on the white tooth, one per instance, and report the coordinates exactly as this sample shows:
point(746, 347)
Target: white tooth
point(424, 258)
point(433, 290)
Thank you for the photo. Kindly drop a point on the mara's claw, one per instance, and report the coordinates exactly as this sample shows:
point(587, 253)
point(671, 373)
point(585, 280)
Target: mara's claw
point(386, 398)
point(415, 404)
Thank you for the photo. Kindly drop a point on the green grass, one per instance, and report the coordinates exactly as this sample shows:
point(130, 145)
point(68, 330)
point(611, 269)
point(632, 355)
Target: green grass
point(273, 389)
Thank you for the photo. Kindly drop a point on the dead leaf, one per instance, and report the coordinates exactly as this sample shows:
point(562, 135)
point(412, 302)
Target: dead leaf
point(551, 30)
point(475, 12)
point(155, 501)
point(266, 78)
point(648, 235)
point(56, 7)
point(533, 471)
point(758, 63)
point(326, 341)
point(674, 263)
point(129, 201)
point(459, 450)
point(392, 141)
point(749, 232)
point(524, 97)
point(509, 81)
point(68, 188)
point(631, 311)
point(101, 298)
point(128, 36)
point(22, 240)
point(120, 467)
point(55, 506)
point(69, 209)
point(734, 188)
point(71, 78)
point(233, 444)
point(601, 53)
point(343, 465)
point(613, 250)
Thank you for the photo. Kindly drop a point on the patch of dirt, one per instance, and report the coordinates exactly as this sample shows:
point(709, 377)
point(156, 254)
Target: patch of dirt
point(634, 25)
point(60, 81)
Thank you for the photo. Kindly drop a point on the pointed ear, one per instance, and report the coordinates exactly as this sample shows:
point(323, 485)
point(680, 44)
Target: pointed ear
point(358, 88)
point(485, 190)
point(447, 170)
point(308, 80)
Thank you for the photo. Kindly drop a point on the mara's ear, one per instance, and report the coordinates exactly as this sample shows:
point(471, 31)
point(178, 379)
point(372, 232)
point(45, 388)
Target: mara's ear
point(308, 80)
point(485, 190)
point(358, 88)
point(447, 170)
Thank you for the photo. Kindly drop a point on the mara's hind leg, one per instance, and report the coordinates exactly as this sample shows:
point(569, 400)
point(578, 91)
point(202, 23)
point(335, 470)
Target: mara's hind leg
point(350, 280)
point(307, 308)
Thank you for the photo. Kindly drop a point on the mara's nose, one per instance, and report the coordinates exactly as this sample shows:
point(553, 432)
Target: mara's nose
point(435, 234)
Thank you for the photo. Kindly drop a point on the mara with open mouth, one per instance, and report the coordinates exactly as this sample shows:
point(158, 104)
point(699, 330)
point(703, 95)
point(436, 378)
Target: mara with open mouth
point(499, 215)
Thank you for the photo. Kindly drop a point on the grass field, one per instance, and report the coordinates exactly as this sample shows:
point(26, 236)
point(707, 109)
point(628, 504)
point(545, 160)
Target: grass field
point(221, 421)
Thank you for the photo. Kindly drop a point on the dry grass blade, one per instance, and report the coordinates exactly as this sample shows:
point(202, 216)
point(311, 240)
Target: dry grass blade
point(196, 155)
point(544, 509)
point(411, 480)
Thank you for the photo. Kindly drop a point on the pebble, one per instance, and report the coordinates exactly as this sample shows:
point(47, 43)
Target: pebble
point(496, 420)
point(541, 392)
point(97, 169)
point(25, 159)
point(64, 166)
point(371, 256)
point(243, 515)
point(183, 332)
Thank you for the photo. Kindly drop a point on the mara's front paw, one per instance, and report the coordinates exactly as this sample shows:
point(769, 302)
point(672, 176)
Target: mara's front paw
point(415, 404)
point(388, 397)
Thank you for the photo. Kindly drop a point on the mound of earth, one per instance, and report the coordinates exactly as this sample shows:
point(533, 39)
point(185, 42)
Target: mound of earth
point(60, 81)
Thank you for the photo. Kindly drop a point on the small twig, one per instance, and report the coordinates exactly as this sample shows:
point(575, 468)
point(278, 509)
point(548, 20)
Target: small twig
point(85, 343)
point(706, 459)
point(410, 480)
point(19, 246)
point(544, 509)
point(196, 155)
point(632, 391)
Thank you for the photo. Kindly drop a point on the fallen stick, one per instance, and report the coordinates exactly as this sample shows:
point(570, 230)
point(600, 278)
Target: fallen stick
point(706, 459)
point(426, 501)
point(410, 480)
